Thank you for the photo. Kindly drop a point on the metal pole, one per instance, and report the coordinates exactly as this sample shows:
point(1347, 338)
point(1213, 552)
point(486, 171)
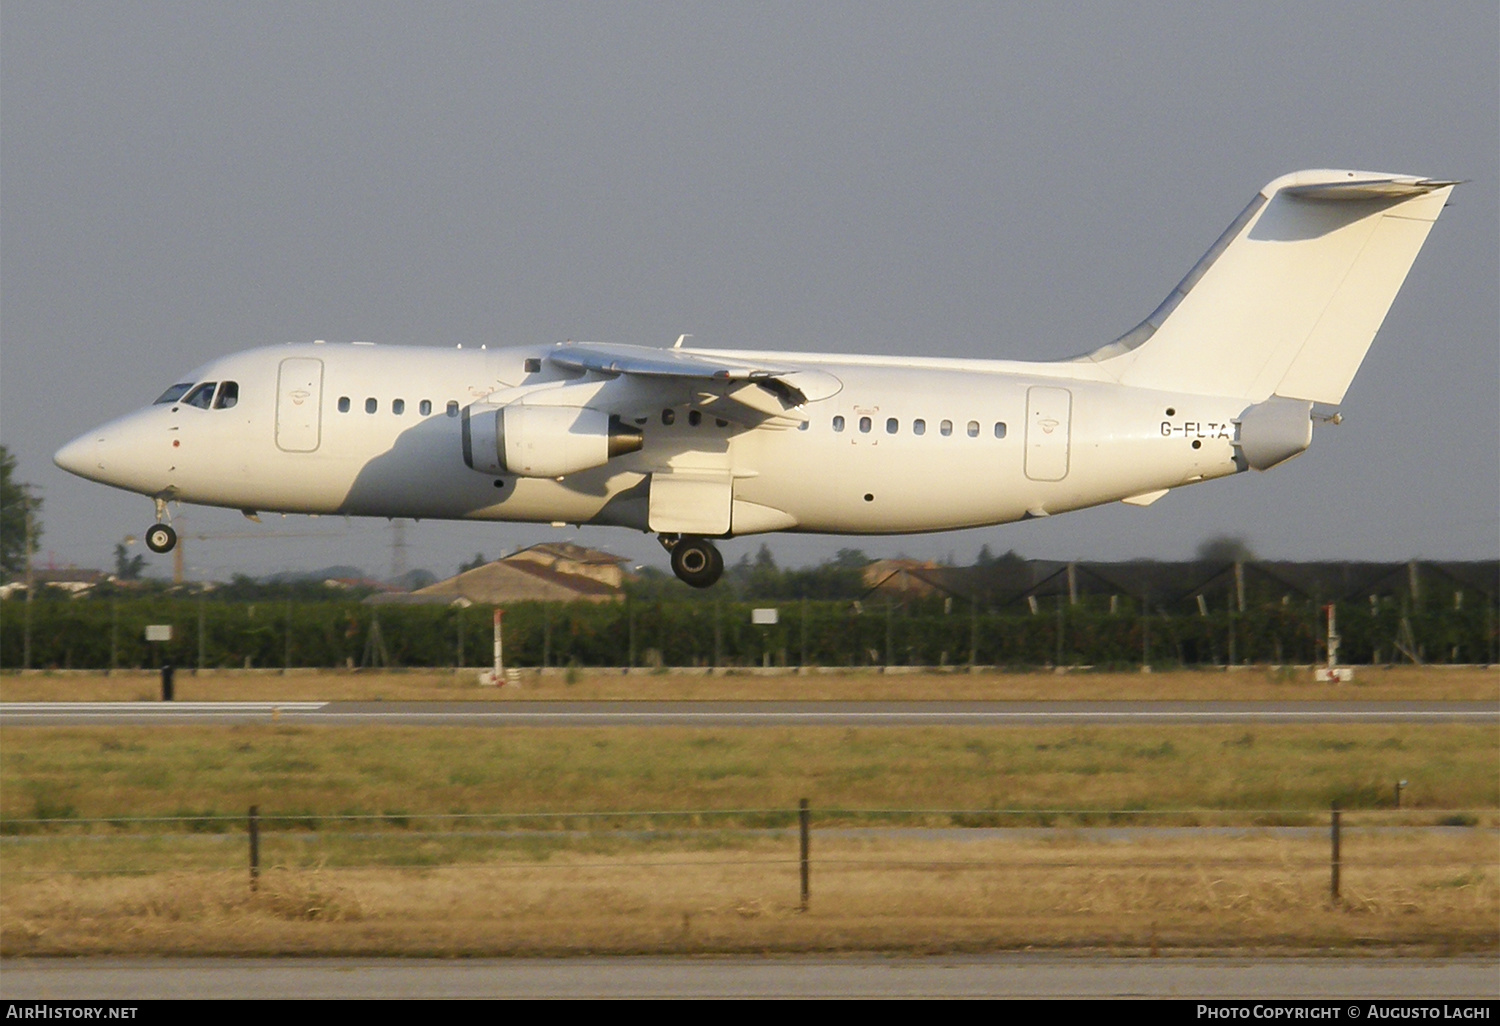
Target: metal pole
point(802, 659)
point(973, 634)
point(718, 636)
point(254, 847)
point(499, 649)
point(286, 651)
point(888, 630)
point(202, 617)
point(1335, 829)
point(1145, 632)
point(1060, 630)
point(803, 819)
point(30, 586)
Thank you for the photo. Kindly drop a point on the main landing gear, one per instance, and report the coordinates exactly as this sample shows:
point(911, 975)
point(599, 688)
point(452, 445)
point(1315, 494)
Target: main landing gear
point(160, 537)
point(696, 561)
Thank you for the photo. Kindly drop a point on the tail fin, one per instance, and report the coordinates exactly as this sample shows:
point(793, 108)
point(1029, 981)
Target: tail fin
point(1289, 298)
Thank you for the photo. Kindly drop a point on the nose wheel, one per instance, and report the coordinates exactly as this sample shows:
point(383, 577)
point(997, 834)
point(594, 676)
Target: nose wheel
point(696, 561)
point(161, 538)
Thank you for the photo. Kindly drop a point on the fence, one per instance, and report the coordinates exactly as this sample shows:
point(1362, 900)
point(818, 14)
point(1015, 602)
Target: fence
point(777, 844)
point(101, 634)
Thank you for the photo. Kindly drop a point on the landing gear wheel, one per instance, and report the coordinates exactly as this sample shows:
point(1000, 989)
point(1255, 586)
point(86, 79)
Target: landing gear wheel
point(697, 562)
point(161, 538)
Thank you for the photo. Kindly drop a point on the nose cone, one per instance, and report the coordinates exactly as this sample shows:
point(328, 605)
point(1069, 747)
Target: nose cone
point(81, 456)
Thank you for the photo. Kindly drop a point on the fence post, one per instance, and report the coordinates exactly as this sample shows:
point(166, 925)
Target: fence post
point(254, 847)
point(1334, 874)
point(803, 818)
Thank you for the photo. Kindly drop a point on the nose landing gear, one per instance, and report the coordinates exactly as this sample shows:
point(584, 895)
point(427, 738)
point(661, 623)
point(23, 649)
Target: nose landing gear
point(696, 561)
point(160, 537)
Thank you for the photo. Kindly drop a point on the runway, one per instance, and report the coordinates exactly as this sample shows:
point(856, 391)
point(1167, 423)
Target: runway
point(1349, 980)
point(521, 713)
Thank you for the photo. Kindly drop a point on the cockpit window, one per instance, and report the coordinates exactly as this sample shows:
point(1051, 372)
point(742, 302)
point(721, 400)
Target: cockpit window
point(229, 394)
point(202, 396)
point(174, 393)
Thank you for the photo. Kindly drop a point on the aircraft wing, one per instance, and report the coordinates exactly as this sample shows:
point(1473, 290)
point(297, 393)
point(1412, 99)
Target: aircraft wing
point(745, 391)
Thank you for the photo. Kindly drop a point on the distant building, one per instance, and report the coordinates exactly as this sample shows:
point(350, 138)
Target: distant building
point(556, 572)
point(77, 583)
point(901, 578)
point(1185, 585)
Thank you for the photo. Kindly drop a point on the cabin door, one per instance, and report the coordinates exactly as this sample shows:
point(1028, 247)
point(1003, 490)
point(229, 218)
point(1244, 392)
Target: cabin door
point(299, 404)
point(1049, 414)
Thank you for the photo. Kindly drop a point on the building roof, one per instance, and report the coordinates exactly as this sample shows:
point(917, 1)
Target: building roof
point(520, 577)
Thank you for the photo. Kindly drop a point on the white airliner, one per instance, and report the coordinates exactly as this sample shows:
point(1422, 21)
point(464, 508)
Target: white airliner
point(697, 444)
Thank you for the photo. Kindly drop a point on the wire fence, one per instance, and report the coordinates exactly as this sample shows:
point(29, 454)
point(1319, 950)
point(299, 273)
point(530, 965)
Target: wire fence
point(1426, 847)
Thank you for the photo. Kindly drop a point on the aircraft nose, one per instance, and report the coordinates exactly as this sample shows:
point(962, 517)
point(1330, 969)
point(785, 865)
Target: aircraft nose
point(80, 456)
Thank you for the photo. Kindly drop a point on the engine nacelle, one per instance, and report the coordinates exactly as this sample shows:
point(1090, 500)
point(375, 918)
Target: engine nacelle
point(543, 441)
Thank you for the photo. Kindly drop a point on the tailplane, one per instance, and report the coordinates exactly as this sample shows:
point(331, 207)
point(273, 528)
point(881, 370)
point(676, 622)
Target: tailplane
point(1287, 301)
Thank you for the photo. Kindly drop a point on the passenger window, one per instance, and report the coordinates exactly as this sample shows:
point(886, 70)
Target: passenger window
point(398, 406)
point(425, 408)
point(452, 410)
point(838, 423)
point(229, 394)
point(343, 404)
point(999, 429)
point(864, 425)
point(174, 393)
point(804, 425)
point(946, 427)
point(892, 426)
point(695, 417)
point(973, 429)
point(919, 427)
point(668, 416)
point(202, 396)
point(371, 405)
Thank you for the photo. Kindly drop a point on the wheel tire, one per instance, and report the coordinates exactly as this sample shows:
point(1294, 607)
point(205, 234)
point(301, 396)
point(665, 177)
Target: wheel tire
point(161, 538)
point(697, 562)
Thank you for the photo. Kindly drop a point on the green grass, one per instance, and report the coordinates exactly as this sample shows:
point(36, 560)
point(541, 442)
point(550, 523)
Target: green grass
point(52, 777)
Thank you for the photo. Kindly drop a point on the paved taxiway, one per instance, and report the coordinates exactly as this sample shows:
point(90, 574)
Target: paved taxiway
point(1349, 980)
point(517, 713)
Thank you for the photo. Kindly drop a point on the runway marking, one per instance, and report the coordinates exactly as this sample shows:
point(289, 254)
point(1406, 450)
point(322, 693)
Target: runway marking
point(21, 713)
point(70, 709)
point(1247, 714)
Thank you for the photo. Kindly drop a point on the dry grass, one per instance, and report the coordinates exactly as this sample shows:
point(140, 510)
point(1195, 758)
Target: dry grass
point(1424, 890)
point(1251, 684)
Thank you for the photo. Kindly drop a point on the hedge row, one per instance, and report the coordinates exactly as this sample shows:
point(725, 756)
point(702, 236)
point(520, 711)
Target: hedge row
point(99, 633)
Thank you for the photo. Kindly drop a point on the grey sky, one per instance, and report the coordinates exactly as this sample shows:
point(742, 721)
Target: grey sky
point(180, 181)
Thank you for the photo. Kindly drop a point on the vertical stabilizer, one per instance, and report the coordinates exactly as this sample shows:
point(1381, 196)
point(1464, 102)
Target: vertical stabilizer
point(1289, 298)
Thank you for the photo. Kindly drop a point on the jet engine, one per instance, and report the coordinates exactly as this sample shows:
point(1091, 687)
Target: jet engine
point(543, 441)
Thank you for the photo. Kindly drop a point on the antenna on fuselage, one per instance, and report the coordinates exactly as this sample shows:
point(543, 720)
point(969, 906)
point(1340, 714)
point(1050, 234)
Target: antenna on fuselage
point(680, 339)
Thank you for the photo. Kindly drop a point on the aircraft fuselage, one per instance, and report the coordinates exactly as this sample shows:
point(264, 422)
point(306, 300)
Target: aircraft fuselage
point(902, 447)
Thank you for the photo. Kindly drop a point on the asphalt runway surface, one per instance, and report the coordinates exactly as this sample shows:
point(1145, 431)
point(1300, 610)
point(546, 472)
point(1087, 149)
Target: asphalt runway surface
point(1341, 980)
point(517, 713)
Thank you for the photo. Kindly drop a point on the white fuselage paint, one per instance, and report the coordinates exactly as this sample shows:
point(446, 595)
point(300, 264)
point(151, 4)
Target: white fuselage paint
point(1072, 438)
